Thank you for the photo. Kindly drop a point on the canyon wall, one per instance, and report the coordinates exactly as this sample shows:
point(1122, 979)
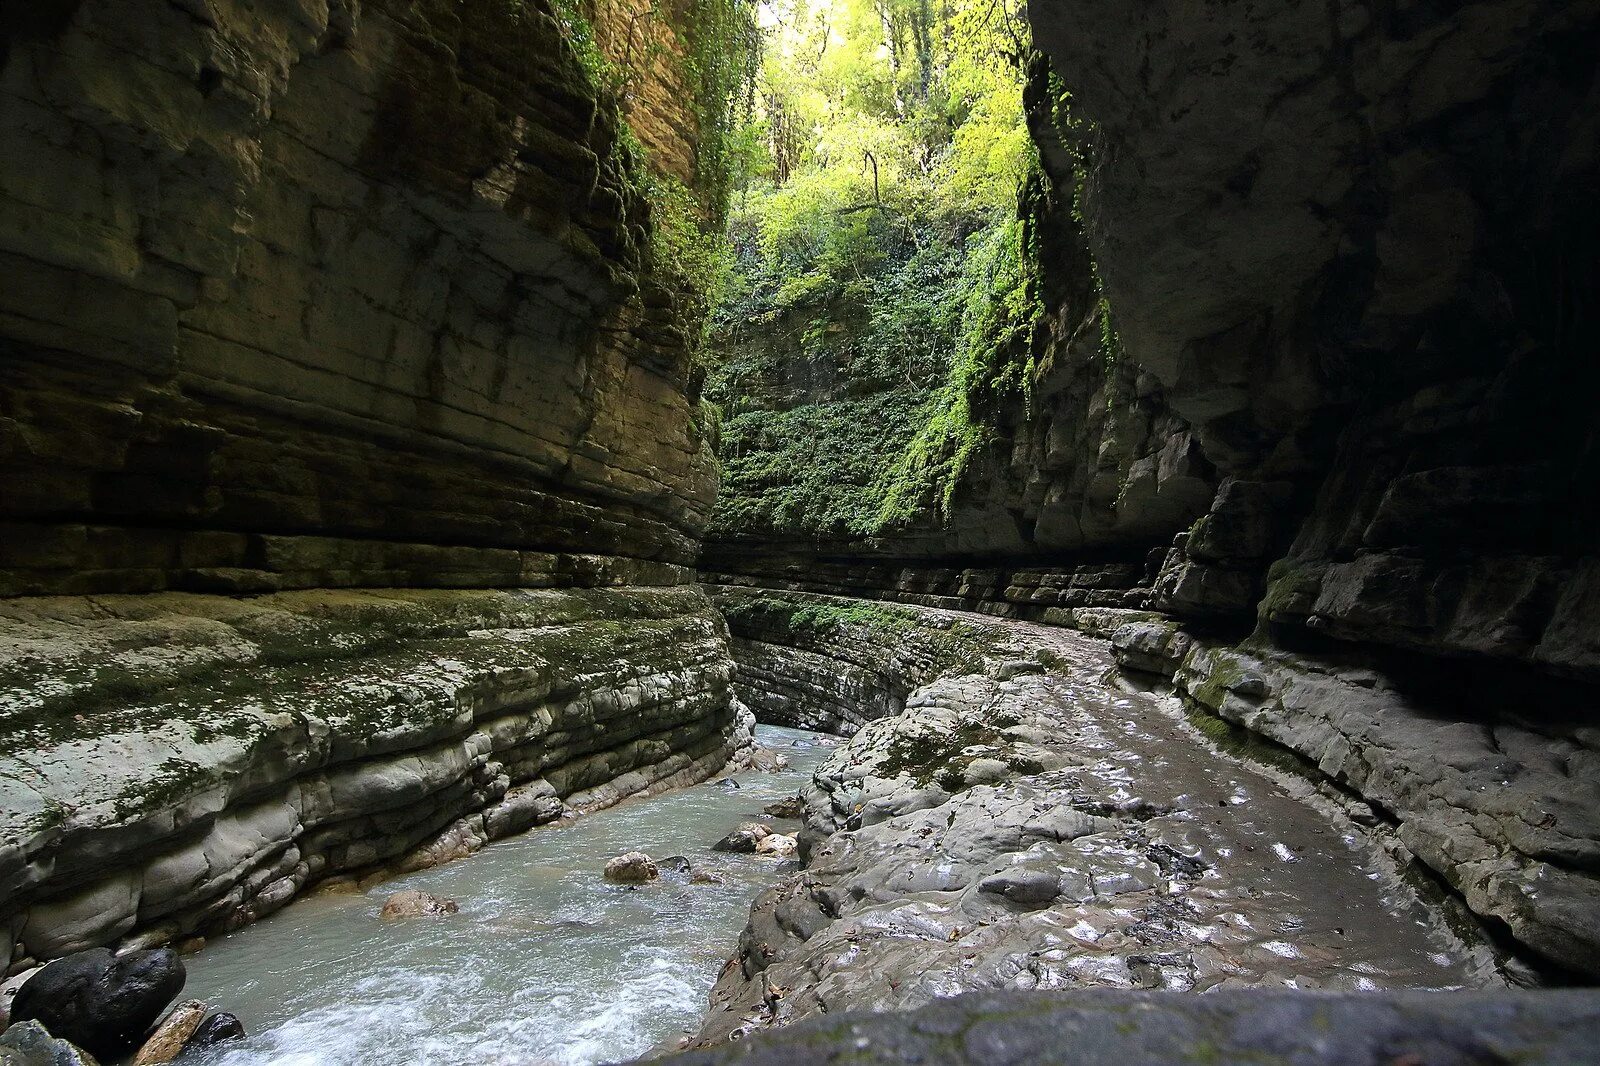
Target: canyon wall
point(326, 295)
point(1331, 472)
point(349, 467)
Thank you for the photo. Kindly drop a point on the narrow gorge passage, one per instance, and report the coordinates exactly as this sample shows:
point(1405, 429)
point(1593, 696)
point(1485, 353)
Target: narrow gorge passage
point(1156, 440)
point(1042, 826)
point(544, 962)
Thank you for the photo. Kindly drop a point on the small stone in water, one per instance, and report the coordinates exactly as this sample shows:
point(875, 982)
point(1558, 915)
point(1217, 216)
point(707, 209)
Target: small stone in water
point(172, 1035)
point(790, 807)
point(633, 868)
point(214, 1030)
point(744, 839)
point(414, 904)
point(777, 844)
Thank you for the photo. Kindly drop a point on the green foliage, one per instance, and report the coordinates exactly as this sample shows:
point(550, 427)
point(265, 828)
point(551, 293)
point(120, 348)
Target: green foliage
point(815, 618)
point(992, 364)
point(879, 254)
point(724, 59)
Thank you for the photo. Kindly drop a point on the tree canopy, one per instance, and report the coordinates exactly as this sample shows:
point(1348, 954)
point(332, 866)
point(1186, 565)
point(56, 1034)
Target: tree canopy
point(874, 232)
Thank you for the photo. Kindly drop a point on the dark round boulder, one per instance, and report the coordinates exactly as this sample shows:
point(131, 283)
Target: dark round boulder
point(214, 1030)
point(101, 1003)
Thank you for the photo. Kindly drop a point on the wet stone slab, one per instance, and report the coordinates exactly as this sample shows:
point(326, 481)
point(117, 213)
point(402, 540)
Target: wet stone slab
point(1279, 1027)
point(1052, 831)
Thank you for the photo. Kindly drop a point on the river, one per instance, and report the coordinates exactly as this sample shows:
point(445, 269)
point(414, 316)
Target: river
point(546, 962)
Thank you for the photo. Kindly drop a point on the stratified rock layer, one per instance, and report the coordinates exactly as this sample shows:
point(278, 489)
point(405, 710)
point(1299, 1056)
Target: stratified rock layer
point(1117, 1028)
point(304, 298)
point(328, 294)
point(1023, 823)
point(176, 764)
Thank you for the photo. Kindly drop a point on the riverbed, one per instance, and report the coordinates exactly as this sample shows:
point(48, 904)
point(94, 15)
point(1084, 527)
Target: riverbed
point(546, 962)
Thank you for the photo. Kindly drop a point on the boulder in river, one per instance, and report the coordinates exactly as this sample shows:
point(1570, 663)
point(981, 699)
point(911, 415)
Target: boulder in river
point(214, 1030)
point(778, 844)
point(8, 989)
point(172, 1035)
point(633, 868)
point(415, 904)
point(676, 864)
point(767, 760)
point(30, 1044)
point(744, 839)
point(100, 1002)
point(790, 807)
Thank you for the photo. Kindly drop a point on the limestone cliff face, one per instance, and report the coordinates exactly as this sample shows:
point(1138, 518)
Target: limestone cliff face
point(177, 765)
point(1355, 246)
point(350, 308)
point(1338, 483)
point(322, 293)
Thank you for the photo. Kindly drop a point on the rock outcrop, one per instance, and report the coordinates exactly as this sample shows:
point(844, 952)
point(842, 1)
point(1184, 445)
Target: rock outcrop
point(1371, 309)
point(1022, 824)
point(329, 294)
point(1113, 1028)
point(178, 764)
point(1331, 472)
point(307, 299)
point(102, 1003)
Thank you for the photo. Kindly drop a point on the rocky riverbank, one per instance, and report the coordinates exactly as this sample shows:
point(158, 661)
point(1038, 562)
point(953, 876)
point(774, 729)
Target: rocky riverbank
point(176, 765)
point(1026, 822)
point(1099, 1028)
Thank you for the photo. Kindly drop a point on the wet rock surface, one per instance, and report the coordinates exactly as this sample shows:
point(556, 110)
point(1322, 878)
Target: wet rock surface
point(1051, 831)
point(102, 1003)
point(632, 868)
point(414, 904)
point(216, 1029)
point(172, 1035)
point(1101, 1028)
point(29, 1044)
point(180, 765)
point(744, 839)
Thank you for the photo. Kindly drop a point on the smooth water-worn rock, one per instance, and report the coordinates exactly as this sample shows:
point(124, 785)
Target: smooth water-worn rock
point(632, 868)
point(174, 765)
point(172, 1035)
point(778, 845)
point(103, 1003)
point(413, 904)
point(1106, 1028)
point(218, 1028)
point(789, 808)
point(29, 1044)
point(1044, 829)
point(745, 839)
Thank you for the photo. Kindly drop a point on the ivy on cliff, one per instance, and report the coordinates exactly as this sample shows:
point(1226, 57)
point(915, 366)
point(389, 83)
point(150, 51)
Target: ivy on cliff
point(882, 257)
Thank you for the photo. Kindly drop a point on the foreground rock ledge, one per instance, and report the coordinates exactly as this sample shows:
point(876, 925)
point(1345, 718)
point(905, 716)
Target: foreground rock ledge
point(1119, 1027)
point(177, 765)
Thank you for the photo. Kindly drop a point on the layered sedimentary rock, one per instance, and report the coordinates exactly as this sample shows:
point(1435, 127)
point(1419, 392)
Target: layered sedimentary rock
point(327, 294)
point(1022, 824)
point(1113, 1028)
point(177, 765)
point(1349, 257)
point(348, 458)
point(1502, 804)
point(820, 663)
point(1355, 246)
